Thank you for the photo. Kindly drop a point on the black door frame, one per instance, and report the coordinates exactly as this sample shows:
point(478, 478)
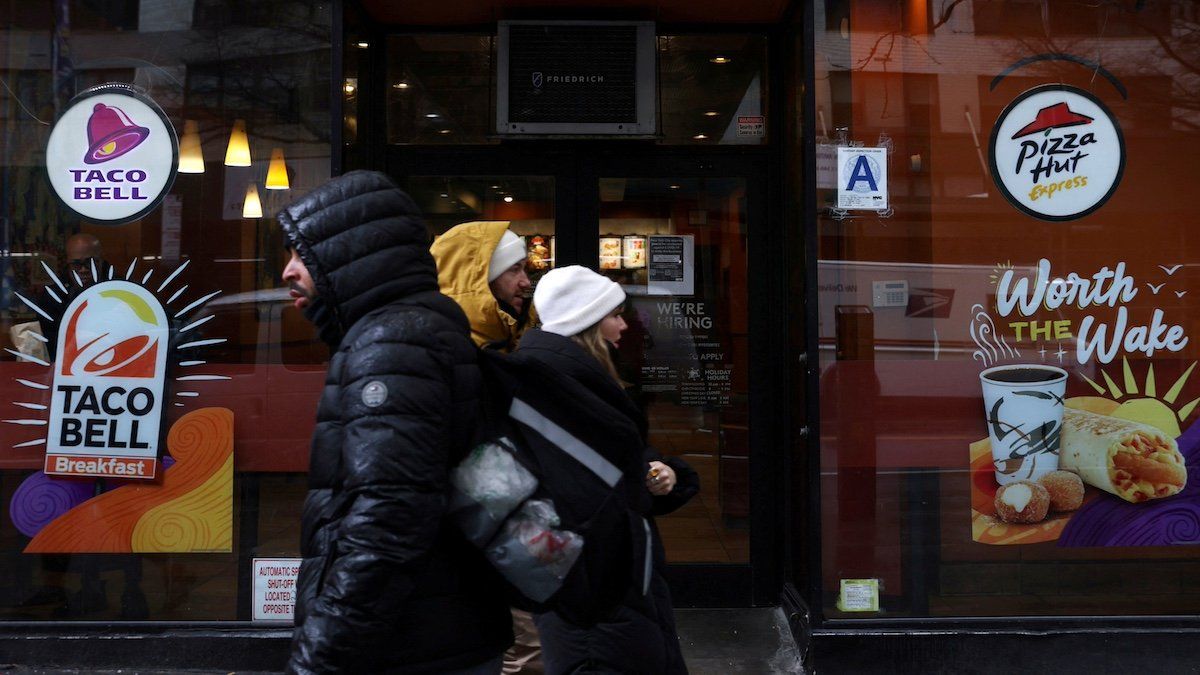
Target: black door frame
point(576, 167)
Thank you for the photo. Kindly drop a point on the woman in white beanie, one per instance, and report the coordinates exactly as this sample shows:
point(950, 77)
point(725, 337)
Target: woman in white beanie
point(580, 312)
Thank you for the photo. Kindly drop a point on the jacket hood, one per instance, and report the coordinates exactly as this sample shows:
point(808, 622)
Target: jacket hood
point(463, 255)
point(364, 243)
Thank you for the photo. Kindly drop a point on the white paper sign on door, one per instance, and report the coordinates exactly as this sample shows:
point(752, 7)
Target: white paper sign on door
point(862, 178)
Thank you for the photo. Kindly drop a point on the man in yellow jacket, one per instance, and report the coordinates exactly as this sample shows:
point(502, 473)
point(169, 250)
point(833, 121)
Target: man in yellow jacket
point(481, 265)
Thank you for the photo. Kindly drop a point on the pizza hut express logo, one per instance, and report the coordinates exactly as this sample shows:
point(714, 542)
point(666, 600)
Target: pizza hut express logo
point(107, 398)
point(1057, 153)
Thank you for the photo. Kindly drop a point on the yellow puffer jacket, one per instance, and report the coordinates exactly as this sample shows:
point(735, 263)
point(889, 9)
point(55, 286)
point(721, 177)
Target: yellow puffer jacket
point(462, 256)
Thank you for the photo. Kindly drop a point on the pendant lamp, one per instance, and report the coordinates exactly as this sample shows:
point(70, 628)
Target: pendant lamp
point(277, 177)
point(252, 207)
point(191, 158)
point(238, 152)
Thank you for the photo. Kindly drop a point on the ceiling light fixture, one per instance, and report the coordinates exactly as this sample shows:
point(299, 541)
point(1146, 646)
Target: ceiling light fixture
point(252, 207)
point(191, 158)
point(720, 60)
point(277, 176)
point(699, 137)
point(508, 198)
point(237, 153)
point(401, 85)
point(711, 113)
point(432, 116)
point(362, 45)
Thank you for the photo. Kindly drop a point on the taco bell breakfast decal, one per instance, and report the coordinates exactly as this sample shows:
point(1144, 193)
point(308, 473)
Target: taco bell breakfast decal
point(1057, 153)
point(112, 155)
point(107, 399)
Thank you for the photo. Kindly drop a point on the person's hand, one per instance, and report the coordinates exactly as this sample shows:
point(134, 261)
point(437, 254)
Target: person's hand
point(660, 480)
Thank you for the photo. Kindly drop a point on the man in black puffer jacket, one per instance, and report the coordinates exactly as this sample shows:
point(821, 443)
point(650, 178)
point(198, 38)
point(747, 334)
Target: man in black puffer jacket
point(387, 585)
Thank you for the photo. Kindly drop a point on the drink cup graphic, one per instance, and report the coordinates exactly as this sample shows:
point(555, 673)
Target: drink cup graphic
point(1023, 405)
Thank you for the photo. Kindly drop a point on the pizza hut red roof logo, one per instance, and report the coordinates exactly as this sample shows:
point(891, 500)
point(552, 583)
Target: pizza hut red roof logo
point(1053, 117)
point(111, 133)
point(1056, 153)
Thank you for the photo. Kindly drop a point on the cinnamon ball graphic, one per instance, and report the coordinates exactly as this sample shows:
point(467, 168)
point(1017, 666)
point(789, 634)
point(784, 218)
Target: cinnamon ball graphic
point(1022, 502)
point(1065, 488)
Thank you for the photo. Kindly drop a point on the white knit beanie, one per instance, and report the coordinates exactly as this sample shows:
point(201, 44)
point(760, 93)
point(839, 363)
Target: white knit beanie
point(510, 251)
point(572, 299)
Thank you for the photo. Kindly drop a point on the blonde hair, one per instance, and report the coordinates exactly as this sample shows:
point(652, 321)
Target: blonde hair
point(594, 343)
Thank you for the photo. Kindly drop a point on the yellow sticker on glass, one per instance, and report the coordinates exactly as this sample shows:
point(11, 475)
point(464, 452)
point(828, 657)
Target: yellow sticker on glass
point(859, 595)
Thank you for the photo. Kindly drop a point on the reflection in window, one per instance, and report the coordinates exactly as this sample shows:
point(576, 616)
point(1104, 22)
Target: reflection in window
point(439, 89)
point(252, 75)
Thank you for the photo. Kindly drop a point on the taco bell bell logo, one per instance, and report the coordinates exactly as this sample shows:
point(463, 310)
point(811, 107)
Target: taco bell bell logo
point(109, 380)
point(111, 134)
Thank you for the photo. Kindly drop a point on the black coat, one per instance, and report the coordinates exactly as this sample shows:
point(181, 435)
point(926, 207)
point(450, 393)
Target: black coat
point(386, 584)
point(638, 634)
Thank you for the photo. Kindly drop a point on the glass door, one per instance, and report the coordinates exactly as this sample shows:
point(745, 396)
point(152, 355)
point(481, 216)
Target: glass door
point(679, 248)
point(679, 234)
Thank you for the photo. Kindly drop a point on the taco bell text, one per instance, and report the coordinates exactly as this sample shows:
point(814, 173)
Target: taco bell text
point(114, 184)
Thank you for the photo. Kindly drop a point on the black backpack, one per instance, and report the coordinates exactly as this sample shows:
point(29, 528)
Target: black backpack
point(549, 512)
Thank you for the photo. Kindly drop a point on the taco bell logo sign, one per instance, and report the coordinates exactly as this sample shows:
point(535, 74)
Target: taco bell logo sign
point(107, 398)
point(1057, 153)
point(113, 155)
point(111, 134)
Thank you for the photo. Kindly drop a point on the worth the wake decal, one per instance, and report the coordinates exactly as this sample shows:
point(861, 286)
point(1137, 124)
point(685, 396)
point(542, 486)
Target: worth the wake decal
point(108, 385)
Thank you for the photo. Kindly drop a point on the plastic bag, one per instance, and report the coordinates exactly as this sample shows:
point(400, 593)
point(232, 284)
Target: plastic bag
point(489, 485)
point(532, 553)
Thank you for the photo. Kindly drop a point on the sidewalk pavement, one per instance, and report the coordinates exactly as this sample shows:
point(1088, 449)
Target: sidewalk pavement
point(715, 642)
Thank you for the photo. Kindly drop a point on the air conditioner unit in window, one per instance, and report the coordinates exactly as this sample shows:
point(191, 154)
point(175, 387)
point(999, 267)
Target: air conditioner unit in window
point(579, 78)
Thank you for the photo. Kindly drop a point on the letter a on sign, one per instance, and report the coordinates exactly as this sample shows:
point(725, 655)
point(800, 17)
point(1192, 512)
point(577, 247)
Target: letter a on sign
point(862, 178)
point(862, 172)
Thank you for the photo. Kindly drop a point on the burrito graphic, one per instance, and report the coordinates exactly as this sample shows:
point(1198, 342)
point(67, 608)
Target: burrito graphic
point(1135, 462)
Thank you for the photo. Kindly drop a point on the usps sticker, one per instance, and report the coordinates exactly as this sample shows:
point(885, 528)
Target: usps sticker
point(1057, 153)
point(112, 156)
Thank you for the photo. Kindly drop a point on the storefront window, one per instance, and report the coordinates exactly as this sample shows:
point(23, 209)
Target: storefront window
point(246, 90)
point(713, 89)
point(1007, 188)
point(440, 89)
